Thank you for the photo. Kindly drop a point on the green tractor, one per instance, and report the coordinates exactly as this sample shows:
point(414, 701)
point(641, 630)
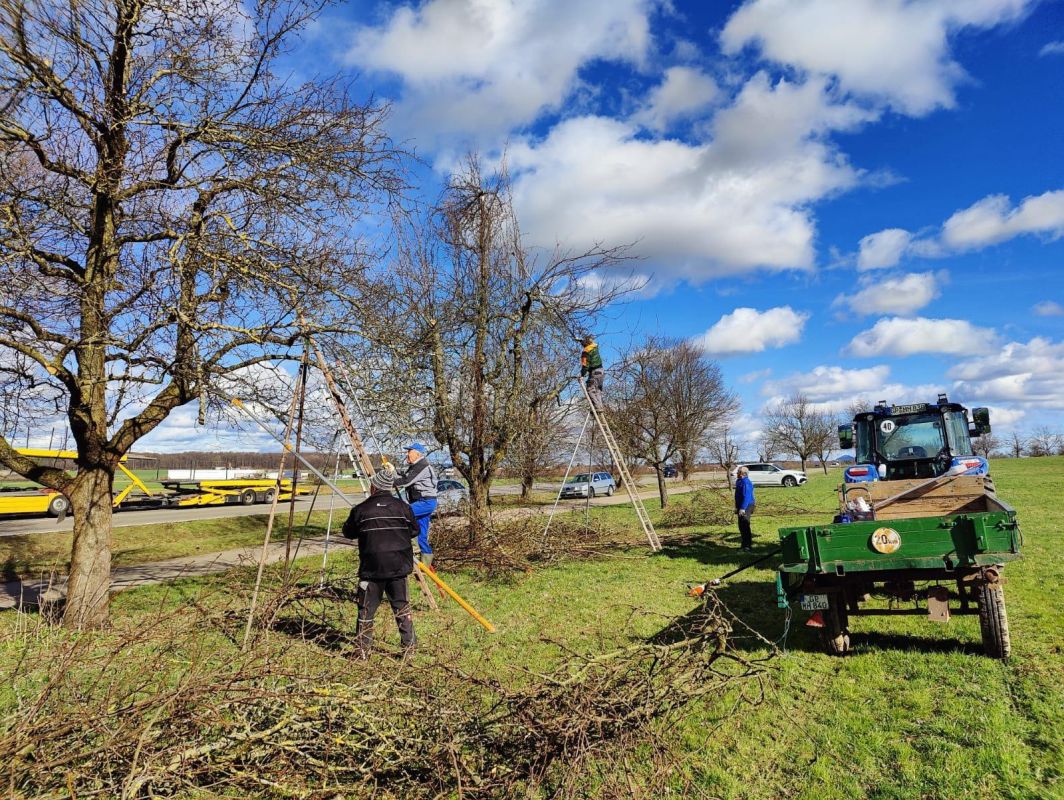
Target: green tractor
point(919, 523)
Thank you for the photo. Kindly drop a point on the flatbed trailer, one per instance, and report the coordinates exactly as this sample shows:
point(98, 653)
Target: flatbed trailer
point(233, 491)
point(919, 524)
point(41, 500)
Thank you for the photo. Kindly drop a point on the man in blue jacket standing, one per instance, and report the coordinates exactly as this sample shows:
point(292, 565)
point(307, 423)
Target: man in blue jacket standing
point(419, 480)
point(744, 507)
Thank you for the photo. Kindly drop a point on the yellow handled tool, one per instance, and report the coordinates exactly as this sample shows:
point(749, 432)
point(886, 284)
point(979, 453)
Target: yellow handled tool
point(454, 596)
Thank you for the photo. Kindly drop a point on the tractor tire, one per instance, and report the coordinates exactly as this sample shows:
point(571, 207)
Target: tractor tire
point(789, 481)
point(993, 621)
point(59, 506)
point(247, 497)
point(835, 636)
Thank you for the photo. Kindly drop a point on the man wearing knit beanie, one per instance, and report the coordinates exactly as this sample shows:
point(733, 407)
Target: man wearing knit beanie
point(383, 525)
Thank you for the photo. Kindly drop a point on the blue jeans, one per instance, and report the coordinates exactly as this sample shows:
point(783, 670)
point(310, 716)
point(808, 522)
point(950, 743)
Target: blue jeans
point(423, 509)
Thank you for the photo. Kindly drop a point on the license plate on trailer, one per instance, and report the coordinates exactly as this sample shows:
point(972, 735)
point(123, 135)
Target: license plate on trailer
point(814, 602)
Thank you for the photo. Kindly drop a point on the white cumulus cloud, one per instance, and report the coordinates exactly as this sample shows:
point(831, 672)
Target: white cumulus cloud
point(1030, 373)
point(824, 383)
point(683, 92)
point(1052, 49)
point(747, 330)
point(902, 294)
point(480, 68)
point(698, 210)
point(883, 249)
point(905, 337)
point(892, 51)
point(993, 219)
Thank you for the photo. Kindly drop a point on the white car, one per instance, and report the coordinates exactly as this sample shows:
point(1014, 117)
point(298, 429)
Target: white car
point(771, 475)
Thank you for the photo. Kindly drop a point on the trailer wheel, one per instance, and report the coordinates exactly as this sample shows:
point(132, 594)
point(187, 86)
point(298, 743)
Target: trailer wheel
point(834, 636)
point(58, 507)
point(993, 622)
point(247, 497)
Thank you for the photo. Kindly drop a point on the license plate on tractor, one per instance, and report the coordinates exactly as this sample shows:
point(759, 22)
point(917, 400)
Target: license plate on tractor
point(814, 602)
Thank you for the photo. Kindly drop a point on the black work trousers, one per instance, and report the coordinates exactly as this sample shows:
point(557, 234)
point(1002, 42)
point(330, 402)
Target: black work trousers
point(746, 536)
point(370, 594)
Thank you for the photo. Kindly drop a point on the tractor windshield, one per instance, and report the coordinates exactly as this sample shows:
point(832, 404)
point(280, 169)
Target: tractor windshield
point(909, 437)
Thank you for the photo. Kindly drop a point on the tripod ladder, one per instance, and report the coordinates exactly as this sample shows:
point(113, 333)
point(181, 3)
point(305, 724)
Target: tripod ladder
point(626, 477)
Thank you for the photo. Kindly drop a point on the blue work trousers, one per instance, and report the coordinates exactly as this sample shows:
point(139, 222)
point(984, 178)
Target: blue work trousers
point(423, 510)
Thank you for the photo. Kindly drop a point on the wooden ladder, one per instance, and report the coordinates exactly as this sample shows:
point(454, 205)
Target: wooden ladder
point(622, 467)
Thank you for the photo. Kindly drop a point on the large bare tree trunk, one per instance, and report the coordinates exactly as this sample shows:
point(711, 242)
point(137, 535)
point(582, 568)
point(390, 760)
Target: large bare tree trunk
point(663, 492)
point(478, 508)
point(527, 481)
point(88, 590)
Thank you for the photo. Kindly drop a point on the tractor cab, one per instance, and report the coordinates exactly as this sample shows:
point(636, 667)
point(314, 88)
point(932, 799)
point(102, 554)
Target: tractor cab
point(921, 440)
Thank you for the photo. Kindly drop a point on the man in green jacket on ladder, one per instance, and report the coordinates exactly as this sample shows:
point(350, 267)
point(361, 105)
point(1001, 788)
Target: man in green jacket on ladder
point(591, 368)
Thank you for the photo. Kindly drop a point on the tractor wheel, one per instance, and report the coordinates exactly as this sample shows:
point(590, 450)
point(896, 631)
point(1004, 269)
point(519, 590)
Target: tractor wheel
point(993, 622)
point(835, 636)
point(789, 481)
point(247, 497)
point(59, 506)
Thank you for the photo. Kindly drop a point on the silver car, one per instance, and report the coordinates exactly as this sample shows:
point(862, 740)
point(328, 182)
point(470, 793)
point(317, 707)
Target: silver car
point(452, 497)
point(589, 484)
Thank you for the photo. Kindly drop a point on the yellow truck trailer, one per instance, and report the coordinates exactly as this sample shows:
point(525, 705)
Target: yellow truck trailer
point(39, 500)
point(234, 491)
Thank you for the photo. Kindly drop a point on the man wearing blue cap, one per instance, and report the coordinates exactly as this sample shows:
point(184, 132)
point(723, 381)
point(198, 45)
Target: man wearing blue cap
point(419, 480)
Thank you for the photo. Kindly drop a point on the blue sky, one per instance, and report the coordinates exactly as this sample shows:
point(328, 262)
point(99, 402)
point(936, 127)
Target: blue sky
point(851, 198)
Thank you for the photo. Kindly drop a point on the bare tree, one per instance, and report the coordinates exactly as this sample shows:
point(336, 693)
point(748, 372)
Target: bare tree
point(465, 304)
point(986, 444)
point(667, 395)
point(725, 449)
point(169, 205)
point(545, 436)
point(1043, 441)
point(1017, 445)
point(796, 426)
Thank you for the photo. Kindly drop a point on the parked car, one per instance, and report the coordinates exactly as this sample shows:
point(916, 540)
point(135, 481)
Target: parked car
point(452, 497)
point(669, 471)
point(771, 475)
point(589, 484)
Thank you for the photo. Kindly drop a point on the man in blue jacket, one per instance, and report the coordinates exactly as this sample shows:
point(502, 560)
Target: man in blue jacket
point(744, 507)
point(419, 480)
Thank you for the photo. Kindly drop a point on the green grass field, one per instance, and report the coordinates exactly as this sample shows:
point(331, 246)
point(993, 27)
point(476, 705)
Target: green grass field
point(915, 712)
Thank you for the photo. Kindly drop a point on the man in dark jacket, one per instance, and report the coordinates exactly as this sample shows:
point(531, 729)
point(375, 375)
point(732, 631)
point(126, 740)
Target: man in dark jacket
point(744, 507)
point(420, 480)
point(383, 525)
point(591, 367)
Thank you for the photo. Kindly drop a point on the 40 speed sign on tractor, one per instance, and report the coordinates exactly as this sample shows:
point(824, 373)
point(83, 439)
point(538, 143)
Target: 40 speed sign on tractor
point(919, 523)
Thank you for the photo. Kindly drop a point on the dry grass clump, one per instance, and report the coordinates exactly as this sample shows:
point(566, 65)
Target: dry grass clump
point(700, 508)
point(518, 543)
point(174, 709)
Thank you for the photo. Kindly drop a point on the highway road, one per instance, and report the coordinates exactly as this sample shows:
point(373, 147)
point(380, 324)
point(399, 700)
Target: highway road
point(16, 526)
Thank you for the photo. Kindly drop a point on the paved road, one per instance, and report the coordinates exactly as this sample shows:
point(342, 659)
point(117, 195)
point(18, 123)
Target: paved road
point(11, 526)
point(155, 516)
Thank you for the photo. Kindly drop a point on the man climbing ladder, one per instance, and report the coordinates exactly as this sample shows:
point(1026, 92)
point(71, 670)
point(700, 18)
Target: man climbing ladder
point(591, 368)
point(419, 480)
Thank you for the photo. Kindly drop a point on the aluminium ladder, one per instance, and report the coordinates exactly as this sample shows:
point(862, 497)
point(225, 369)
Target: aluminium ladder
point(626, 476)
